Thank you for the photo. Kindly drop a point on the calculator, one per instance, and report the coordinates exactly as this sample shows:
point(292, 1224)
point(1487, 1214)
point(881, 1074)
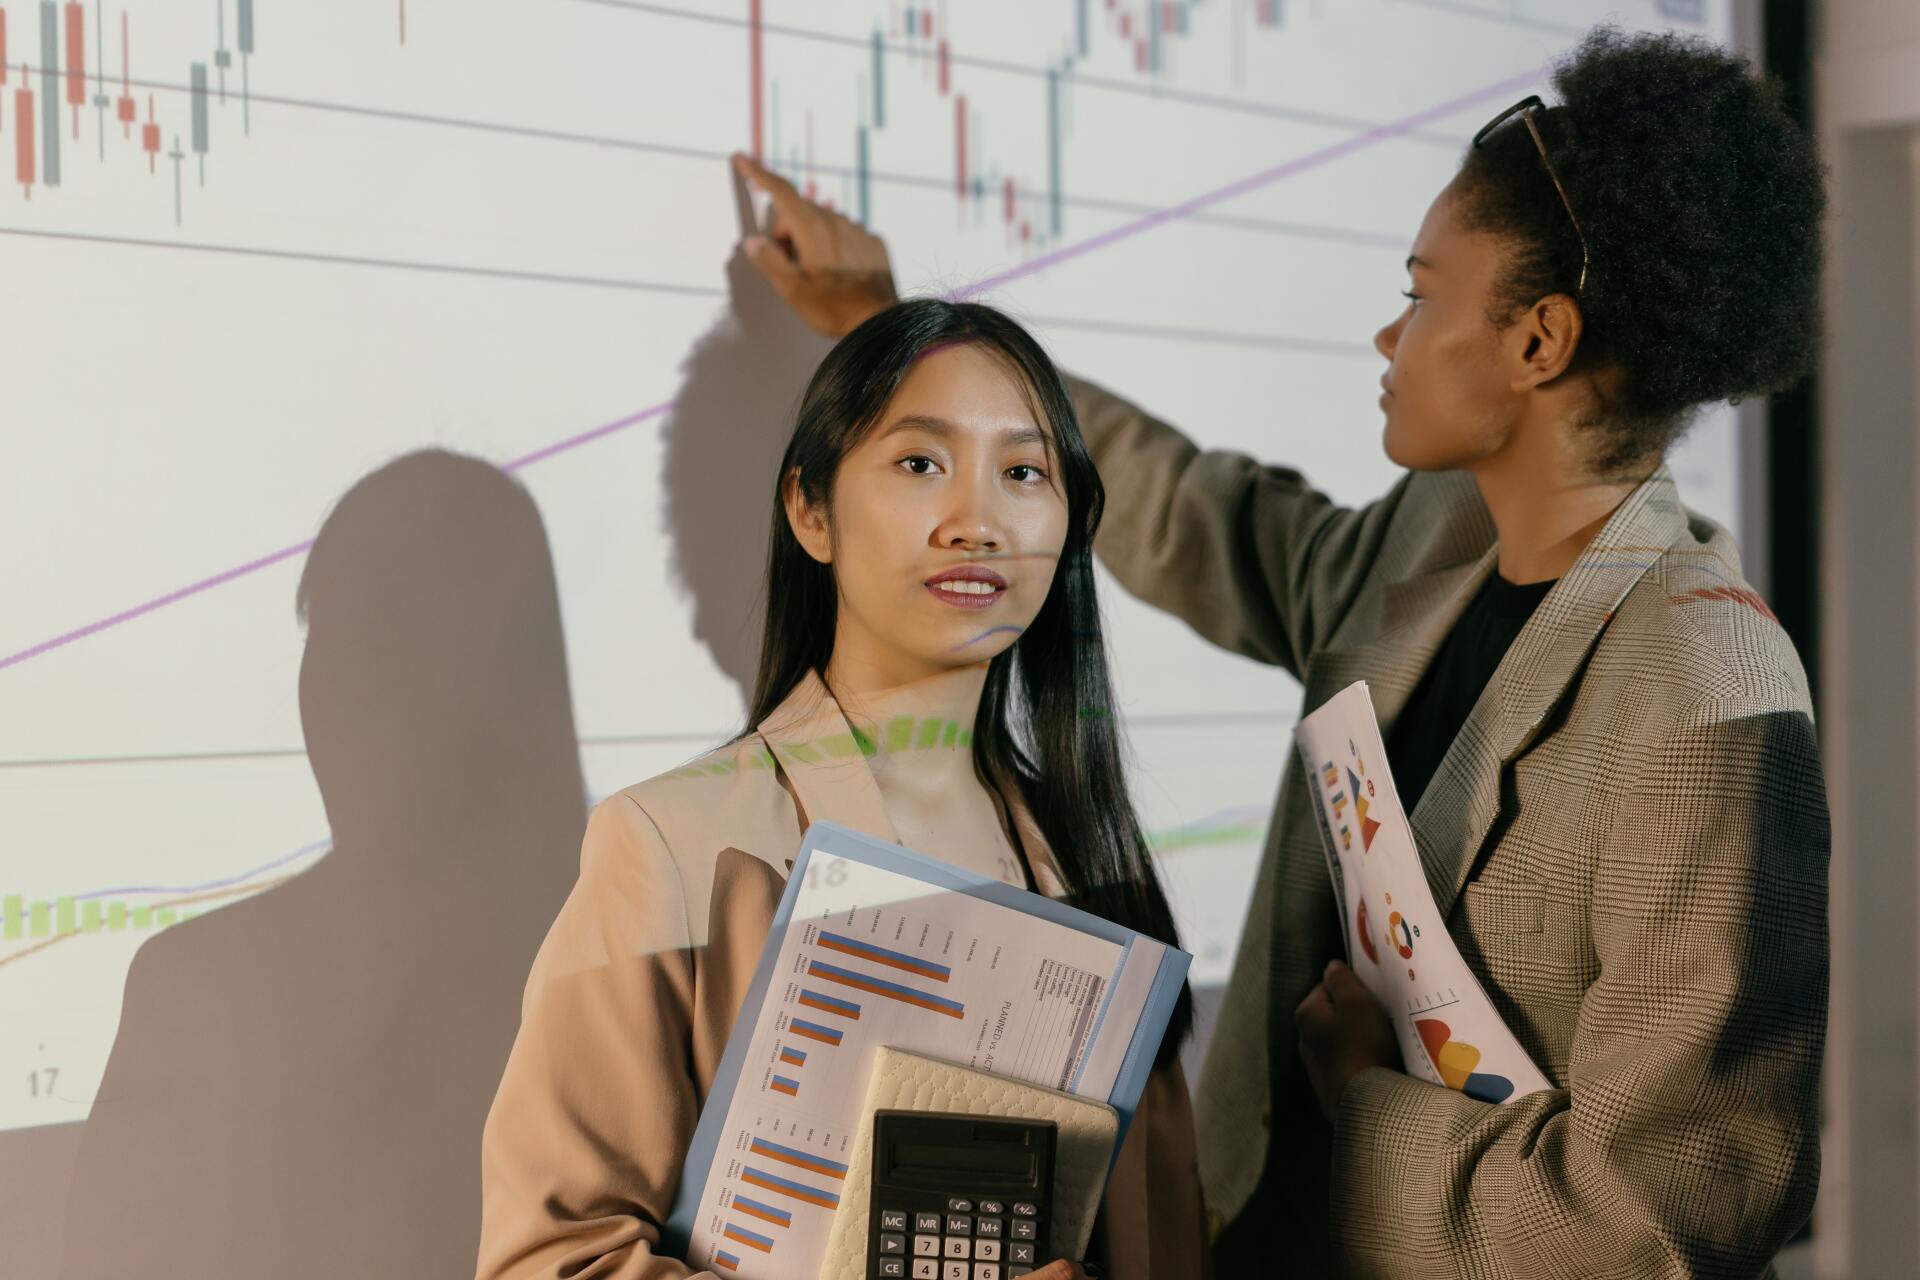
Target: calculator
point(959, 1197)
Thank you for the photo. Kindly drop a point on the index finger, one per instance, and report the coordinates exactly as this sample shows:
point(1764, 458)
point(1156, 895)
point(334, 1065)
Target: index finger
point(786, 197)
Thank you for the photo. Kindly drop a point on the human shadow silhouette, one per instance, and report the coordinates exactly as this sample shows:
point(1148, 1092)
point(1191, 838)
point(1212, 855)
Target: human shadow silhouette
point(300, 1080)
point(730, 423)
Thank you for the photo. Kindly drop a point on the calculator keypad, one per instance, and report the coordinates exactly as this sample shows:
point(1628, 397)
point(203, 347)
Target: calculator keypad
point(973, 1239)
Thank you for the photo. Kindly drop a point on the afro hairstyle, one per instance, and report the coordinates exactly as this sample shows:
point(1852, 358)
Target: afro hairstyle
point(1701, 201)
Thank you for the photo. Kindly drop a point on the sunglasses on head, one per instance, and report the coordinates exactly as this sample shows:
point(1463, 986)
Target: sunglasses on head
point(1525, 109)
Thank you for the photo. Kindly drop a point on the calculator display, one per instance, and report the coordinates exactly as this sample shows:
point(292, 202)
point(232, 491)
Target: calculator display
point(1005, 1162)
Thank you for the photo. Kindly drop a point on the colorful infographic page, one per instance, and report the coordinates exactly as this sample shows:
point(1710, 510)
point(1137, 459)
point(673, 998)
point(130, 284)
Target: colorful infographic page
point(1397, 941)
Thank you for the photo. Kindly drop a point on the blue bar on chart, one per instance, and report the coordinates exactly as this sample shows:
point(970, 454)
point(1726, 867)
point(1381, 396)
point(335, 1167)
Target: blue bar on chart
point(788, 1187)
point(764, 1212)
point(787, 1085)
point(752, 1239)
point(1053, 148)
point(199, 73)
point(881, 955)
point(891, 990)
point(879, 81)
point(222, 56)
point(828, 1004)
point(797, 1158)
point(813, 1031)
point(49, 93)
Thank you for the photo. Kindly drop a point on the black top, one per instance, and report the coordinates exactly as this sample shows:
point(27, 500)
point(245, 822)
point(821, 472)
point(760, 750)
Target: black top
point(1461, 668)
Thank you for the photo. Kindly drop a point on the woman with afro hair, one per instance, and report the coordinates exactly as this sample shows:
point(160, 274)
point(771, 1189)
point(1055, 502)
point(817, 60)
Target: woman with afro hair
point(1603, 736)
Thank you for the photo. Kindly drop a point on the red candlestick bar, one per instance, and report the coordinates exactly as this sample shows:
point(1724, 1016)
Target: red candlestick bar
point(150, 136)
point(76, 61)
point(960, 145)
point(944, 75)
point(23, 135)
point(1009, 199)
point(753, 69)
point(123, 108)
point(926, 22)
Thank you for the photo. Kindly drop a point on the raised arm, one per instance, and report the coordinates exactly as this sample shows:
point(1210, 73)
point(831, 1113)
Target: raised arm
point(583, 1146)
point(1250, 556)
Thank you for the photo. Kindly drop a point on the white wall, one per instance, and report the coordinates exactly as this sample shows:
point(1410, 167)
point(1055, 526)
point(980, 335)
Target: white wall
point(1867, 85)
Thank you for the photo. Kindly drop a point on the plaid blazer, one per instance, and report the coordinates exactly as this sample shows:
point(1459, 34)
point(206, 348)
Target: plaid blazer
point(1628, 839)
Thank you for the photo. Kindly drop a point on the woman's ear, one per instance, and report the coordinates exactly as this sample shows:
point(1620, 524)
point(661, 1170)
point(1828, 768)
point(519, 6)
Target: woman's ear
point(809, 523)
point(1549, 334)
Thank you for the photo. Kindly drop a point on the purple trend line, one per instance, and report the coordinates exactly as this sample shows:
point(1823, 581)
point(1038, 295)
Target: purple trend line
point(1298, 164)
point(227, 882)
point(586, 437)
point(299, 548)
point(158, 602)
point(1126, 230)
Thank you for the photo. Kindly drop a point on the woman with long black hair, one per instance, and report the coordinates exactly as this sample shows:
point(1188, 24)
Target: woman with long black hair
point(1603, 735)
point(932, 673)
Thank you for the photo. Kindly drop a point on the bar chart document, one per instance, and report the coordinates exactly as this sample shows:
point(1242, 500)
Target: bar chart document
point(876, 945)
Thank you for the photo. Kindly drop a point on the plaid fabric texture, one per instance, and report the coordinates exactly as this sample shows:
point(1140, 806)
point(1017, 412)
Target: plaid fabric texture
point(1628, 839)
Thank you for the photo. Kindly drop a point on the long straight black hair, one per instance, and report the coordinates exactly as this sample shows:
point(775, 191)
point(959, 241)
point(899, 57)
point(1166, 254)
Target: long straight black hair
point(1046, 724)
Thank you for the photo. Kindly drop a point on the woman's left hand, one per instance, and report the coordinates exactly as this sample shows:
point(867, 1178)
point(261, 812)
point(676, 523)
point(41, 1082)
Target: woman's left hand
point(1342, 1032)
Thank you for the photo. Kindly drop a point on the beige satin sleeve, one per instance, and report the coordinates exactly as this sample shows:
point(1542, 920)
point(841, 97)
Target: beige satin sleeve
point(583, 1145)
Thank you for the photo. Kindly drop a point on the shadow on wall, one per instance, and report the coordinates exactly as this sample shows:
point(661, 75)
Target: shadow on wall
point(730, 424)
point(299, 1080)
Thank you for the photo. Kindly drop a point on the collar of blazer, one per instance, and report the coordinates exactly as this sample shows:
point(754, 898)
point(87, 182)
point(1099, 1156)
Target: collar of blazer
point(1459, 805)
point(825, 763)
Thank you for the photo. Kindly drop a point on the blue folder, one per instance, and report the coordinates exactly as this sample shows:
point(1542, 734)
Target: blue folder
point(830, 839)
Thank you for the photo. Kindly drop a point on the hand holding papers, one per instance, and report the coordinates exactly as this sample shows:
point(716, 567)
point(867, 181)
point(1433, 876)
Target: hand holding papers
point(877, 945)
point(1449, 1032)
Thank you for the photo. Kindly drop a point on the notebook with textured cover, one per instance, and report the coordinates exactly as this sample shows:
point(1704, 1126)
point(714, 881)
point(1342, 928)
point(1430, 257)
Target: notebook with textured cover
point(1082, 1155)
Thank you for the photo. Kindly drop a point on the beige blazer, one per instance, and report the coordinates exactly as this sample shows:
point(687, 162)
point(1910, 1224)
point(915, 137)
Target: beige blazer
point(1628, 842)
point(635, 989)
